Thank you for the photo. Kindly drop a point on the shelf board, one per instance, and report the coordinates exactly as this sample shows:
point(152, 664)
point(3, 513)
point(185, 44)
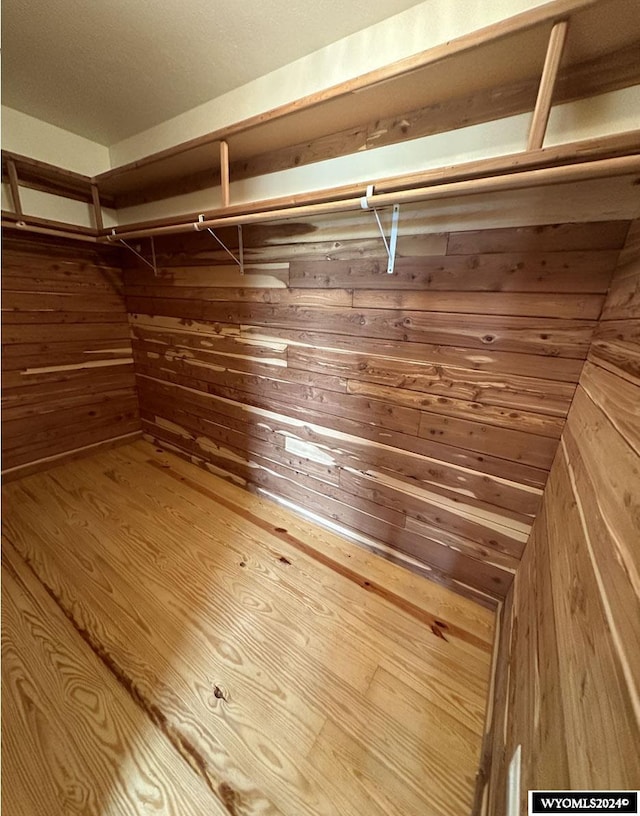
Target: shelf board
point(49, 178)
point(508, 55)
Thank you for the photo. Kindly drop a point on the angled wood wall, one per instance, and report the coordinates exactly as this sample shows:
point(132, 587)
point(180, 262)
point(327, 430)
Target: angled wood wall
point(68, 379)
point(568, 676)
point(421, 410)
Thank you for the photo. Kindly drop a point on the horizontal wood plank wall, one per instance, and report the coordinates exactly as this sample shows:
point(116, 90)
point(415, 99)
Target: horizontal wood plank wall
point(568, 677)
point(421, 410)
point(68, 382)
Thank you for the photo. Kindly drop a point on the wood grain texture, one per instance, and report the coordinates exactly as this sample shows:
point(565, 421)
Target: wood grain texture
point(439, 98)
point(68, 368)
point(420, 409)
point(568, 675)
point(247, 634)
point(74, 740)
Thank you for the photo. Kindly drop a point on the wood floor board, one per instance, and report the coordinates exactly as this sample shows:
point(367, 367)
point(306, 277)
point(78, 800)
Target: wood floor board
point(425, 598)
point(418, 713)
point(168, 677)
point(248, 567)
point(74, 741)
point(281, 658)
point(337, 606)
point(370, 778)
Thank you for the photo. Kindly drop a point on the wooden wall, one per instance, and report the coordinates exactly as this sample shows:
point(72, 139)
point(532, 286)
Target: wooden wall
point(568, 674)
point(68, 379)
point(420, 410)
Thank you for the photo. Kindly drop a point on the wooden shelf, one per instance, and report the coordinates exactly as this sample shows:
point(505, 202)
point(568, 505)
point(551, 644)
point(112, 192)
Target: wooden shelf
point(483, 76)
point(486, 75)
point(49, 178)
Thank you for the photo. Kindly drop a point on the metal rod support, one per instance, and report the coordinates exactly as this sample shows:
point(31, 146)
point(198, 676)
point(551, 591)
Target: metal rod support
point(241, 249)
point(153, 257)
point(15, 189)
point(395, 218)
point(142, 258)
point(239, 261)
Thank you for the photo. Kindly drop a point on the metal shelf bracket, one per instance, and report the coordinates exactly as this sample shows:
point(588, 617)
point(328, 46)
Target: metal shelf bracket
point(392, 243)
point(152, 264)
point(240, 260)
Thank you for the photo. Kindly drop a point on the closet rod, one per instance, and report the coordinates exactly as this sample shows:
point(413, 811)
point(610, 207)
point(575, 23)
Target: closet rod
point(529, 178)
point(25, 227)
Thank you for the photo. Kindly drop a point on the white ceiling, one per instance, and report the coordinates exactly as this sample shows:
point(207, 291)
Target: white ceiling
point(107, 69)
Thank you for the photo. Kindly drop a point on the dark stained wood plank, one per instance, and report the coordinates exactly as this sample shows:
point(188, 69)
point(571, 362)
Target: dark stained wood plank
point(631, 249)
point(617, 398)
point(571, 271)
point(205, 270)
point(268, 245)
point(552, 337)
point(46, 317)
point(65, 332)
point(455, 513)
point(66, 344)
point(225, 345)
point(116, 373)
point(68, 302)
point(284, 297)
point(21, 409)
point(207, 365)
point(501, 442)
point(489, 303)
point(67, 443)
point(623, 302)
point(231, 384)
point(551, 368)
point(273, 342)
point(522, 421)
point(598, 235)
point(365, 447)
point(19, 267)
point(616, 347)
point(457, 382)
point(75, 355)
point(483, 574)
point(22, 430)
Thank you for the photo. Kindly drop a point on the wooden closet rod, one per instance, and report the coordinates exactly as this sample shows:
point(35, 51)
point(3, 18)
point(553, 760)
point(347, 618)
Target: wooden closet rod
point(24, 227)
point(514, 181)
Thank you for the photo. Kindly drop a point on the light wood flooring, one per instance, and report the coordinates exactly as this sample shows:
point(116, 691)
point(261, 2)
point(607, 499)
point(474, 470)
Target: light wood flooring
point(175, 645)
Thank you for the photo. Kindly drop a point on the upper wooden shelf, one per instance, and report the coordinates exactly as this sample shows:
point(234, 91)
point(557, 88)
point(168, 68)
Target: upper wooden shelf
point(489, 74)
point(49, 178)
point(486, 75)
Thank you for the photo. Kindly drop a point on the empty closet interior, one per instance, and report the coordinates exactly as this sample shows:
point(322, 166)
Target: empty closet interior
point(321, 433)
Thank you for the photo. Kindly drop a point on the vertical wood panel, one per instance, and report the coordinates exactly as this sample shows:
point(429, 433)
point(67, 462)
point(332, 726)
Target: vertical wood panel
point(585, 548)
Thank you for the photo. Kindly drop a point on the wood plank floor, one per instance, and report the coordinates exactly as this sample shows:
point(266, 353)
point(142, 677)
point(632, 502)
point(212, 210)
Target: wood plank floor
point(174, 644)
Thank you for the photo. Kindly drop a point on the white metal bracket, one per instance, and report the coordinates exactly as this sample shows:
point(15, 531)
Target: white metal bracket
point(240, 260)
point(392, 243)
point(151, 263)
